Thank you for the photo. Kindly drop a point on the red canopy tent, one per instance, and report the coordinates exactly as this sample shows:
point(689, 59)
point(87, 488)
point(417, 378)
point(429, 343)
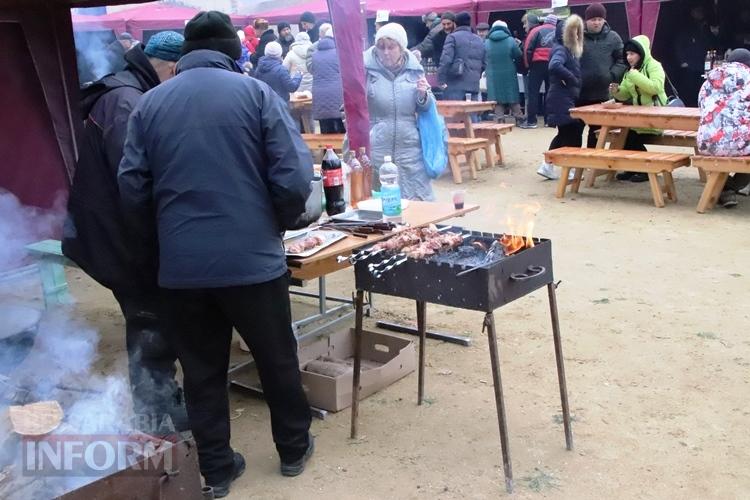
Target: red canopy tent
point(155, 16)
point(113, 21)
point(413, 8)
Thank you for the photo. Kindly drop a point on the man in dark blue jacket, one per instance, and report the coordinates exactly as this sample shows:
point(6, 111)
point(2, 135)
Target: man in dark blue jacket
point(95, 236)
point(462, 61)
point(216, 160)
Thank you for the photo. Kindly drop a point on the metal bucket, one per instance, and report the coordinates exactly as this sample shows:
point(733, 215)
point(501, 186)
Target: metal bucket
point(18, 327)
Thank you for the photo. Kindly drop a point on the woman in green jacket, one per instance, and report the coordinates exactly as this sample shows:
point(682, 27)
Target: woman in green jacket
point(502, 55)
point(642, 85)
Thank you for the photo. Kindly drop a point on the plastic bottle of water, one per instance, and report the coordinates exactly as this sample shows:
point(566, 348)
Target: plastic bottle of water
point(390, 191)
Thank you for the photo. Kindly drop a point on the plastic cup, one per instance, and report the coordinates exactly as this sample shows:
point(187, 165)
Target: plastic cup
point(468, 96)
point(458, 198)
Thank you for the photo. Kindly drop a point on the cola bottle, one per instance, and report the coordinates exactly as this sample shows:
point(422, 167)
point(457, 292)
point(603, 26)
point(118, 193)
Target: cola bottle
point(333, 182)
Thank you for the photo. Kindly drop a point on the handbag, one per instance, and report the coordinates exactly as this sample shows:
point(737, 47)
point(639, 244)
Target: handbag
point(433, 135)
point(457, 68)
point(673, 100)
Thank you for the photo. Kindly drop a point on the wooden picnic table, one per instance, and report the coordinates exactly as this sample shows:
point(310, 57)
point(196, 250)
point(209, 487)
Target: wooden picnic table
point(300, 102)
point(319, 141)
point(416, 214)
point(626, 117)
point(464, 110)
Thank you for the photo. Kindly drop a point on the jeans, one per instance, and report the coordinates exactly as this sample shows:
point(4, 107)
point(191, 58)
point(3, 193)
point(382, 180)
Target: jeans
point(538, 74)
point(151, 364)
point(201, 321)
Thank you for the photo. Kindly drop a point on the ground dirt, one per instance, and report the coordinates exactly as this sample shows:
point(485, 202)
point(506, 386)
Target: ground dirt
point(653, 310)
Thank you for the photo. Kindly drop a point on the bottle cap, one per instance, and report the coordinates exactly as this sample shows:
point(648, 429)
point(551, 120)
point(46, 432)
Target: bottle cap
point(386, 159)
point(329, 146)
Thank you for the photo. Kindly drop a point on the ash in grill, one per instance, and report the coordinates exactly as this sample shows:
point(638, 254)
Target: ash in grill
point(475, 274)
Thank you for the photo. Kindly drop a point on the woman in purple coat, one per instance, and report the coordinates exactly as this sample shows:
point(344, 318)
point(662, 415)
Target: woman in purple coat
point(327, 91)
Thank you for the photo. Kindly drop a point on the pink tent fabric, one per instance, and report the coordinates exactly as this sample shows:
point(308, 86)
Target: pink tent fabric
point(163, 17)
point(114, 22)
point(292, 13)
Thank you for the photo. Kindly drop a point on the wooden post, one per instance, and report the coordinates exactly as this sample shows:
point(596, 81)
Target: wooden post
point(358, 307)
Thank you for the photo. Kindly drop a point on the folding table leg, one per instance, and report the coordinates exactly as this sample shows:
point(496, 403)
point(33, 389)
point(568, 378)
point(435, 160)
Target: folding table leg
point(422, 329)
point(489, 325)
point(560, 366)
point(358, 306)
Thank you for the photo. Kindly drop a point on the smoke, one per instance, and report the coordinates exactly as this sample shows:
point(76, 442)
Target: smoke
point(21, 225)
point(94, 56)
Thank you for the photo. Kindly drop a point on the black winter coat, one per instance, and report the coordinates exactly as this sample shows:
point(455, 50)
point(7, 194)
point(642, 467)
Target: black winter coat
point(602, 63)
point(462, 46)
point(267, 37)
point(564, 83)
point(217, 161)
point(95, 235)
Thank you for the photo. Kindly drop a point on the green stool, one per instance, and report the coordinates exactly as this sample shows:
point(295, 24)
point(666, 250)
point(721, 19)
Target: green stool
point(51, 270)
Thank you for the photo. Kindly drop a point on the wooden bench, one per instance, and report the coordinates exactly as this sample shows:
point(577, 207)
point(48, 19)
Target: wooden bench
point(317, 142)
point(718, 169)
point(469, 148)
point(654, 164)
point(676, 138)
point(491, 131)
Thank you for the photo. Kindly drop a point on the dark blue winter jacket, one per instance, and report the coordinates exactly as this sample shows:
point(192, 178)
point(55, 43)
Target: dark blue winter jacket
point(462, 48)
point(271, 70)
point(216, 160)
point(564, 82)
point(327, 90)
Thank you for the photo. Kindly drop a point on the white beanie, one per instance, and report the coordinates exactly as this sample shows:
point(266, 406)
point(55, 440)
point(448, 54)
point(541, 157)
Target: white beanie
point(395, 32)
point(273, 49)
point(500, 23)
point(302, 37)
point(325, 30)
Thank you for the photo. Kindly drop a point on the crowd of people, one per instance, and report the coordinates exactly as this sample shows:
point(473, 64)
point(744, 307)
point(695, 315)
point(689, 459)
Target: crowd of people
point(181, 145)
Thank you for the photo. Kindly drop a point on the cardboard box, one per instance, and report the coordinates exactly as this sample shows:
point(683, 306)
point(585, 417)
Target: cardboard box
point(385, 359)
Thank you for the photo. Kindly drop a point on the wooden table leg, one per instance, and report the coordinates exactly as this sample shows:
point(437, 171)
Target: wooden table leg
point(468, 126)
point(560, 366)
point(473, 161)
point(601, 142)
point(422, 330)
point(358, 307)
point(499, 149)
point(489, 154)
point(712, 191)
point(562, 183)
point(577, 180)
point(455, 168)
point(653, 180)
point(670, 187)
point(489, 325)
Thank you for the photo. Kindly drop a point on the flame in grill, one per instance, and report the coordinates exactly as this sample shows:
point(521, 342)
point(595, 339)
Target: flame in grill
point(520, 224)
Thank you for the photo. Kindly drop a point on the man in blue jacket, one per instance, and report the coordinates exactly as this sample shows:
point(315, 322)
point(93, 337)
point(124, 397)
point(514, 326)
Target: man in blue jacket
point(216, 161)
point(462, 62)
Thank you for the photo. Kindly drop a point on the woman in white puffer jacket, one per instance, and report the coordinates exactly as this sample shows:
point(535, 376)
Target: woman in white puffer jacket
point(296, 60)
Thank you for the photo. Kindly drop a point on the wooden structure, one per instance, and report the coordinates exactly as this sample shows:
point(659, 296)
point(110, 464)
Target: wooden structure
point(469, 148)
point(491, 131)
point(319, 141)
point(718, 169)
point(463, 110)
point(654, 164)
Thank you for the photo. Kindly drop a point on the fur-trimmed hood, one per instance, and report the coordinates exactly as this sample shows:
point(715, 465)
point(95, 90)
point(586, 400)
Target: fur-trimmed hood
point(570, 34)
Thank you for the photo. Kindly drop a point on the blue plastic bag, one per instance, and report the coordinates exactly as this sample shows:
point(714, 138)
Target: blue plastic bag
point(434, 136)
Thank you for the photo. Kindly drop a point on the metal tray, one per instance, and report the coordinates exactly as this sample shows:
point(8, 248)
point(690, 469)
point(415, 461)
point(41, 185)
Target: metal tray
point(363, 216)
point(330, 236)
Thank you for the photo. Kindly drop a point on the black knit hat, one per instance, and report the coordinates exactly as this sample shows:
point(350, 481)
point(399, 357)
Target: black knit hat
point(463, 19)
point(307, 17)
point(212, 30)
point(282, 25)
point(740, 56)
point(596, 10)
point(448, 15)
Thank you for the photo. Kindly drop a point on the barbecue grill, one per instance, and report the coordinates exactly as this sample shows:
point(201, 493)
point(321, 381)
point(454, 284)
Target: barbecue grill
point(474, 276)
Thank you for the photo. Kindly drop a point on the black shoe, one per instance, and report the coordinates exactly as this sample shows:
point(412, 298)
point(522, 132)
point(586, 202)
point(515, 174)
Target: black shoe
point(296, 468)
point(639, 177)
point(221, 489)
point(528, 125)
point(624, 176)
point(728, 199)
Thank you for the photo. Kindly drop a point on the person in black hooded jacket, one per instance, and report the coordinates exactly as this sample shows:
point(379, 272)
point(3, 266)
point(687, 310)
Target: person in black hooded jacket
point(267, 35)
point(95, 236)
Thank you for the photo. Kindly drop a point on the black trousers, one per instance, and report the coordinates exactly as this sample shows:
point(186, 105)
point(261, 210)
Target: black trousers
point(201, 322)
point(568, 135)
point(538, 74)
point(151, 364)
point(332, 126)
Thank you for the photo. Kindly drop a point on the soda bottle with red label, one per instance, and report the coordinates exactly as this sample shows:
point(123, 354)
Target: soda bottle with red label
point(333, 182)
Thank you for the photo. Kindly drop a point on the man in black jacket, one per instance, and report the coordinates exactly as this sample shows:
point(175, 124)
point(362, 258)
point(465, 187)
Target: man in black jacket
point(95, 236)
point(440, 27)
point(215, 159)
point(267, 35)
point(286, 39)
point(462, 62)
point(601, 63)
